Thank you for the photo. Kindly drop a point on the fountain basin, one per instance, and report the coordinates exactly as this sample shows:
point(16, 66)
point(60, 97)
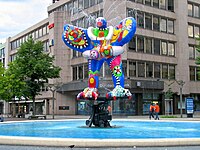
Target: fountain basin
point(125, 133)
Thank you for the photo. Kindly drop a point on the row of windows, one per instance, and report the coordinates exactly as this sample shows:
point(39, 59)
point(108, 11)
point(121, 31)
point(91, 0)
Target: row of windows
point(194, 75)
point(162, 4)
point(193, 10)
point(42, 31)
point(193, 53)
point(136, 69)
point(193, 31)
point(85, 22)
point(45, 49)
point(152, 46)
point(152, 22)
point(76, 6)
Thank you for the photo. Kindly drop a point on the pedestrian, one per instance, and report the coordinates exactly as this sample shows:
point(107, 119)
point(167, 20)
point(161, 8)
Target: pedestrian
point(157, 110)
point(151, 111)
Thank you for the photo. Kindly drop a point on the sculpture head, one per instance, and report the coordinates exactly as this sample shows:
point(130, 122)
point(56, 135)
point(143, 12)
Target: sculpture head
point(101, 23)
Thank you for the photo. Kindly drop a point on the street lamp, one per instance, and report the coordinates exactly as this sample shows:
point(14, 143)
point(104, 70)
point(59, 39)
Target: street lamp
point(53, 88)
point(181, 83)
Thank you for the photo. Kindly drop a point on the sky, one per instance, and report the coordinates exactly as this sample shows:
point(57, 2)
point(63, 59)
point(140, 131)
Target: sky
point(18, 15)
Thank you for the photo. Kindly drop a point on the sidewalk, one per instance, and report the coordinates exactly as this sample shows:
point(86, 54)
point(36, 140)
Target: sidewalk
point(145, 117)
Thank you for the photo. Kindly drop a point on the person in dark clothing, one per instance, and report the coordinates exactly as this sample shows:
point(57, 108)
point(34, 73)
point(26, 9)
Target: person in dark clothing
point(151, 111)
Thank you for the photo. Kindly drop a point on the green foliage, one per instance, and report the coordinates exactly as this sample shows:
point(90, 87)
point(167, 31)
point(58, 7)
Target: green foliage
point(198, 58)
point(35, 67)
point(10, 85)
point(169, 94)
point(28, 73)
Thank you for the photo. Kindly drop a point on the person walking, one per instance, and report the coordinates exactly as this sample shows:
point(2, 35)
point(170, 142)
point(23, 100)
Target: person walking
point(151, 111)
point(157, 110)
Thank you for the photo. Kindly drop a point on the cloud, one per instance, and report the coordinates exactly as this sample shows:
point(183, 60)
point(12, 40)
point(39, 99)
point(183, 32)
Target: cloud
point(18, 15)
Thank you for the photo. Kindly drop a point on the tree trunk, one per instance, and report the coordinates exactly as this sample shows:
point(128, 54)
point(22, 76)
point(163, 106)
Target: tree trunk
point(34, 108)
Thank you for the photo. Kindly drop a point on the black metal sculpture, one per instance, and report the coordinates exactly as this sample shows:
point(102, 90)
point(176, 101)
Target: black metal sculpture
point(100, 116)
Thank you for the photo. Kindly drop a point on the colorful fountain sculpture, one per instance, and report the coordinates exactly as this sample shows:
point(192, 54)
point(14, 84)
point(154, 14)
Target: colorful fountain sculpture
point(99, 44)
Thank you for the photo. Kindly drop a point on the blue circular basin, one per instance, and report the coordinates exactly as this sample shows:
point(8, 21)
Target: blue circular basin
point(122, 129)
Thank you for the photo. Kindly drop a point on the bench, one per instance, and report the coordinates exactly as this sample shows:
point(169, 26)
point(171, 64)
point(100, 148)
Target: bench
point(37, 117)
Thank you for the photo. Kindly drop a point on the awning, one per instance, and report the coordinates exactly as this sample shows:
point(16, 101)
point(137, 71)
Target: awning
point(37, 101)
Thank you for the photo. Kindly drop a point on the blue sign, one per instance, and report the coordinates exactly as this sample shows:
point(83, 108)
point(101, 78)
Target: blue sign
point(190, 105)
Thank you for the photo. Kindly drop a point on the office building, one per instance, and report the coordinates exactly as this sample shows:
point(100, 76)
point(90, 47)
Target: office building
point(161, 56)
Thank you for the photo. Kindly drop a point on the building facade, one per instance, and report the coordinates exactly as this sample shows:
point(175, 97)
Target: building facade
point(161, 56)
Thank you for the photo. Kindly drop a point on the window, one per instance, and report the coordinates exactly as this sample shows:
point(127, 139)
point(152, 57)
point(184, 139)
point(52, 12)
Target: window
point(156, 3)
point(132, 44)
point(140, 1)
point(85, 71)
point(162, 4)
point(132, 68)
point(171, 5)
point(124, 67)
point(196, 31)
point(46, 46)
point(156, 26)
point(190, 31)
point(130, 12)
point(163, 25)
point(164, 71)
point(44, 30)
point(80, 72)
point(157, 46)
point(148, 2)
point(73, 53)
point(74, 73)
point(80, 4)
point(148, 45)
point(141, 69)
point(75, 8)
point(36, 34)
point(156, 70)
point(164, 48)
point(171, 50)
point(190, 13)
point(40, 32)
point(191, 52)
point(148, 21)
point(140, 44)
point(196, 11)
point(170, 26)
point(33, 36)
point(107, 70)
point(171, 72)
point(86, 4)
point(92, 2)
point(149, 69)
point(140, 19)
point(192, 73)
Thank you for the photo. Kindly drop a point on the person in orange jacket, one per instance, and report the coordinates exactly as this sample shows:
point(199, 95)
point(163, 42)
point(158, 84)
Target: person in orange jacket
point(157, 110)
point(151, 111)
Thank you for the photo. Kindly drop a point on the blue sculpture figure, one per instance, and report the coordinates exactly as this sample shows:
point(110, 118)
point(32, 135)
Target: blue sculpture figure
point(99, 44)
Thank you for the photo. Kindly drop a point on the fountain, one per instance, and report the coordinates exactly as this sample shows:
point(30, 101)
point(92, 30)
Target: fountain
point(126, 133)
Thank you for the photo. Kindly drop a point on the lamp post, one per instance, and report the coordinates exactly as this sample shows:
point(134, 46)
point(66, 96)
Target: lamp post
point(181, 83)
point(53, 88)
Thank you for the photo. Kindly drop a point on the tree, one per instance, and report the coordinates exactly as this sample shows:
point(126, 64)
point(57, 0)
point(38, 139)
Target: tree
point(198, 58)
point(34, 67)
